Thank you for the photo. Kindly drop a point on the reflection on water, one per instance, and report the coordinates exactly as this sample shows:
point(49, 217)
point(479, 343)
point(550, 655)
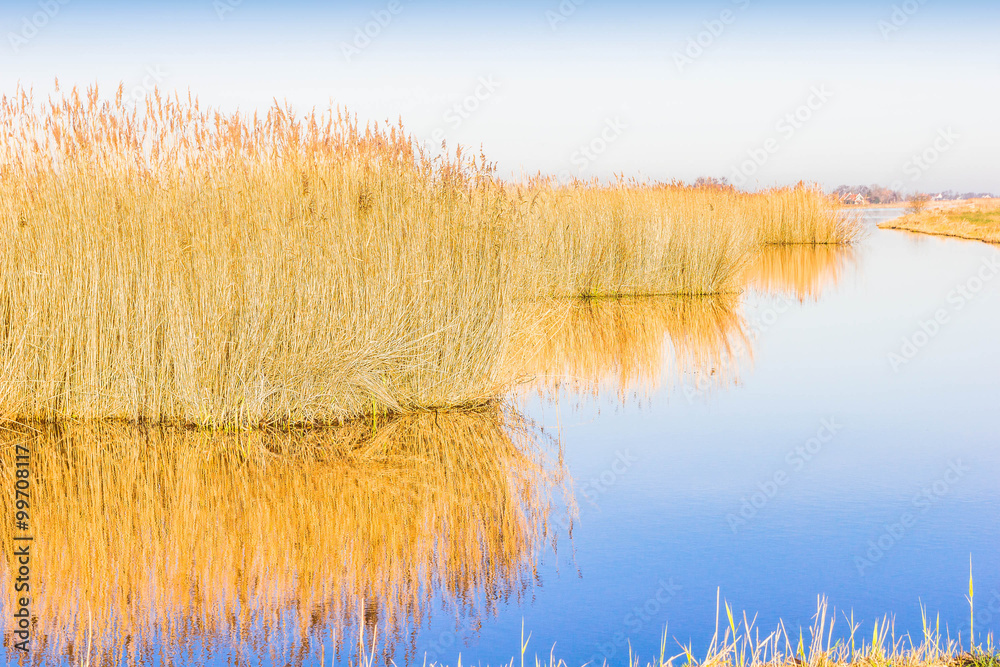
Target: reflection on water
point(171, 542)
point(631, 347)
point(434, 531)
point(801, 272)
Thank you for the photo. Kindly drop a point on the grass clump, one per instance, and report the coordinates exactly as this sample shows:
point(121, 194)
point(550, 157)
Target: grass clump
point(169, 263)
point(800, 215)
point(632, 239)
point(739, 642)
point(628, 239)
point(975, 659)
point(174, 264)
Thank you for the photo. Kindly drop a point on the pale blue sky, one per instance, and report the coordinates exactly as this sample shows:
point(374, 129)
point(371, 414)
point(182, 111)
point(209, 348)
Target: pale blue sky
point(585, 87)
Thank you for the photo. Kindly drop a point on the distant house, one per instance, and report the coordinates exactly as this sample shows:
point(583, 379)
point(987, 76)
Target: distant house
point(852, 199)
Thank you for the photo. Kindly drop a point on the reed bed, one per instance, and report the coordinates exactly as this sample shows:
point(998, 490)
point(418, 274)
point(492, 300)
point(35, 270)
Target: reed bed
point(631, 239)
point(181, 265)
point(150, 539)
point(172, 264)
point(630, 347)
point(800, 215)
point(628, 239)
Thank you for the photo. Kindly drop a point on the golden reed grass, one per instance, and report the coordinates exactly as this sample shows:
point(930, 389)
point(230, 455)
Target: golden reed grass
point(802, 214)
point(174, 264)
point(181, 538)
point(181, 265)
point(628, 239)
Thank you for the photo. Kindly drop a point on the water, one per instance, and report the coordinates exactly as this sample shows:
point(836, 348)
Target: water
point(832, 434)
point(697, 457)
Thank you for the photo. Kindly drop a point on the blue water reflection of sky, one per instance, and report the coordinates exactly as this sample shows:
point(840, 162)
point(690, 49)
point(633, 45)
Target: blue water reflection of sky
point(917, 447)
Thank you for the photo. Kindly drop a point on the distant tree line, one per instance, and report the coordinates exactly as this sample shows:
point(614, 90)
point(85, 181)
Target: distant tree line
point(873, 194)
point(712, 182)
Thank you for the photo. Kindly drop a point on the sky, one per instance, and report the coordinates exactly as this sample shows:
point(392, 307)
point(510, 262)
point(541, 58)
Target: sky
point(902, 93)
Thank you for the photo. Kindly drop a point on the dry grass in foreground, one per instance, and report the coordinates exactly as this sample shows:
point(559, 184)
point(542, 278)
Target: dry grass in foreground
point(173, 264)
point(975, 219)
point(150, 539)
point(742, 644)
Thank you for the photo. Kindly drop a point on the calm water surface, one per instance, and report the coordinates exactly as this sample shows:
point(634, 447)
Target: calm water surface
point(832, 433)
point(916, 437)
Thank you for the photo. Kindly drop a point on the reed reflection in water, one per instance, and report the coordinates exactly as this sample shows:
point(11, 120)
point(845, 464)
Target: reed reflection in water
point(631, 347)
point(163, 544)
point(802, 272)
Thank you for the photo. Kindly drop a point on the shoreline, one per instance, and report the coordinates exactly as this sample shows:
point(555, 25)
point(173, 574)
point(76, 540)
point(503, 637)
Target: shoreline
point(972, 220)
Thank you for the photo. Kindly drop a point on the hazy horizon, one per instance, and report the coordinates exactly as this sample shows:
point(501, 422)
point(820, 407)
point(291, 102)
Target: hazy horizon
point(768, 93)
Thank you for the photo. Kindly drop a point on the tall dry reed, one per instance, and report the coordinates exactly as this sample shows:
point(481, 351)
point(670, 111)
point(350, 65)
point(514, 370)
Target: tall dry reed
point(174, 264)
point(177, 264)
point(801, 214)
point(628, 239)
point(632, 238)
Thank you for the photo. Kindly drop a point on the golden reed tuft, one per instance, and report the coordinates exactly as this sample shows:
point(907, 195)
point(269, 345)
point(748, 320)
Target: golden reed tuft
point(170, 263)
point(181, 265)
